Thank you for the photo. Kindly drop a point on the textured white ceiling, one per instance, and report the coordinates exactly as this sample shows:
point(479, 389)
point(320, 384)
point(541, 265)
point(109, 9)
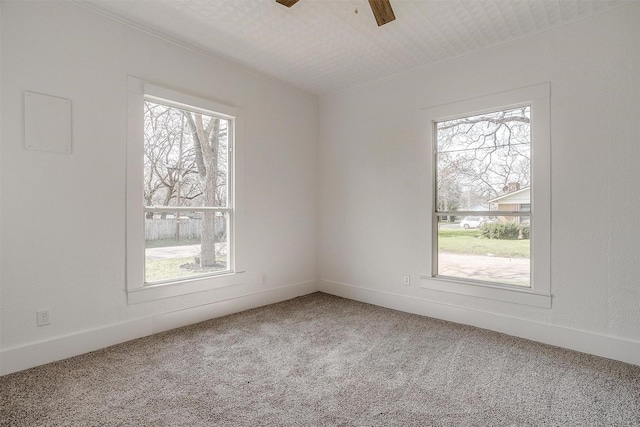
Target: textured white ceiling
point(323, 46)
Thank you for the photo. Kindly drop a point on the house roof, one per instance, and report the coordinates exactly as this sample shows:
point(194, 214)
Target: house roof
point(520, 196)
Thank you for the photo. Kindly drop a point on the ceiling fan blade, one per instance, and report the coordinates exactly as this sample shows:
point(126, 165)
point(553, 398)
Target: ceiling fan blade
point(287, 3)
point(382, 11)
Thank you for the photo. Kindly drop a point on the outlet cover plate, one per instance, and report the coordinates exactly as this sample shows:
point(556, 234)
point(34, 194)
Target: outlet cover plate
point(43, 317)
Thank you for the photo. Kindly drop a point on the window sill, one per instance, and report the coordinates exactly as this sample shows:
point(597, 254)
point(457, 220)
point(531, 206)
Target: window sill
point(524, 296)
point(184, 287)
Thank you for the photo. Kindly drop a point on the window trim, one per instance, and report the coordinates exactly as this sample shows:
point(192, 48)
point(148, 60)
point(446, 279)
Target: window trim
point(539, 292)
point(137, 291)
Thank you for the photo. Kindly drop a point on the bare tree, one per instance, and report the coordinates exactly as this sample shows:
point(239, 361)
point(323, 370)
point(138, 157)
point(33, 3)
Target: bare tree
point(207, 143)
point(169, 162)
point(479, 156)
point(186, 165)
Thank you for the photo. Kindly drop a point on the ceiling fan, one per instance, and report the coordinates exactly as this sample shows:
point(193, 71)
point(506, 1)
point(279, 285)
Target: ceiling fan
point(381, 9)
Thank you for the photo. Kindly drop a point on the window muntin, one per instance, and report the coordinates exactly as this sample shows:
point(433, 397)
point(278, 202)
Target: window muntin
point(188, 210)
point(483, 175)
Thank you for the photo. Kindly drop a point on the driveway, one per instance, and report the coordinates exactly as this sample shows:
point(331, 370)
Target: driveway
point(482, 267)
point(172, 252)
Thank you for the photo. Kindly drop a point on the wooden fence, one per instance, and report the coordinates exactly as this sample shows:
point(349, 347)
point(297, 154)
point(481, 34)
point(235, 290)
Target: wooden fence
point(190, 228)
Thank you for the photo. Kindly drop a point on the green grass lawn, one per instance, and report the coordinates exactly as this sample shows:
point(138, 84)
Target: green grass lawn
point(469, 242)
point(169, 268)
point(163, 269)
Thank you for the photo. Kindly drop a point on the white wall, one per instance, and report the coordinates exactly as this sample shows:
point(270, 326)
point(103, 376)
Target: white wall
point(372, 157)
point(54, 256)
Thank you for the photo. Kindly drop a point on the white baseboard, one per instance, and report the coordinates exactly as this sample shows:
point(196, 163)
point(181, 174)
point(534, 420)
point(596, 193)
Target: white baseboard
point(574, 339)
point(39, 353)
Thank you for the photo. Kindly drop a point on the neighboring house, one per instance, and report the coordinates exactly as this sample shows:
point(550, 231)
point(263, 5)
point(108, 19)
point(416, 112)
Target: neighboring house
point(519, 200)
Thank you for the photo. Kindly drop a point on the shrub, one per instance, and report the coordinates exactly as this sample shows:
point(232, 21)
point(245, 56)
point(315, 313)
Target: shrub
point(504, 230)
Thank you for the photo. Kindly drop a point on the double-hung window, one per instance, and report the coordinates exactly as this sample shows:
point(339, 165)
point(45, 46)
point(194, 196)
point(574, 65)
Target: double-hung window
point(181, 217)
point(187, 203)
point(489, 232)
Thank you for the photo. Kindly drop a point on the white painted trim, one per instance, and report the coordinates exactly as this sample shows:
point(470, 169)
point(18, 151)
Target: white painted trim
point(524, 296)
point(39, 353)
point(610, 347)
point(185, 286)
point(539, 98)
point(137, 291)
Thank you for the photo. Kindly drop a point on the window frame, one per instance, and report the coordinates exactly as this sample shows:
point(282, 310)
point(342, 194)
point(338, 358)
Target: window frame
point(538, 294)
point(139, 91)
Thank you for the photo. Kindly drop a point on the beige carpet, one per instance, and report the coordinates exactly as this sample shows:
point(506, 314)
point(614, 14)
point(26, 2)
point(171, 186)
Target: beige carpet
point(320, 360)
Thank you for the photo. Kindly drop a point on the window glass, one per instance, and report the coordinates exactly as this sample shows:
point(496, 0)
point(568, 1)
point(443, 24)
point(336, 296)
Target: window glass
point(482, 197)
point(186, 192)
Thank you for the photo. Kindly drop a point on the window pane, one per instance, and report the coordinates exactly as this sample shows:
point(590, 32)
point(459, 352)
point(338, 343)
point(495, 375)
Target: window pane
point(483, 163)
point(190, 244)
point(490, 250)
point(483, 158)
point(186, 157)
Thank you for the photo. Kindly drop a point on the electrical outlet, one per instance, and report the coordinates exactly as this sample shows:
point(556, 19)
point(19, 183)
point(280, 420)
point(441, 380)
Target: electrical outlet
point(407, 280)
point(43, 317)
